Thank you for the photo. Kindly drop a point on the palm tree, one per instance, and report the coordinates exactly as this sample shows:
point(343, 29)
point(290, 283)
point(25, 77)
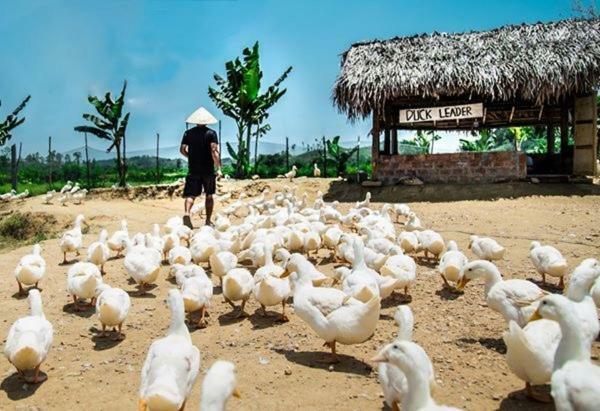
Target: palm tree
point(12, 121)
point(238, 96)
point(111, 125)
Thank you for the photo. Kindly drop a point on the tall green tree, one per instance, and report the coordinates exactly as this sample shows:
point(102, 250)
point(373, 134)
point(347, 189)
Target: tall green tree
point(12, 121)
point(239, 96)
point(111, 125)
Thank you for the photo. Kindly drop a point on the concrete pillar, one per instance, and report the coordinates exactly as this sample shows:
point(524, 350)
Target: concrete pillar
point(585, 135)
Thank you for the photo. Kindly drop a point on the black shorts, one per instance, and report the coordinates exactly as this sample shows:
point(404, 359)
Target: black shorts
point(195, 185)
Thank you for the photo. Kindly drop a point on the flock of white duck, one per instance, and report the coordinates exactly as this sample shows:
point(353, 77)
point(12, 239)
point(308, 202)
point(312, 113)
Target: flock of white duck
point(277, 234)
point(70, 193)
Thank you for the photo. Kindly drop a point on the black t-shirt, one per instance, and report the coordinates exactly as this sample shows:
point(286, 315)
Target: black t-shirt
point(198, 140)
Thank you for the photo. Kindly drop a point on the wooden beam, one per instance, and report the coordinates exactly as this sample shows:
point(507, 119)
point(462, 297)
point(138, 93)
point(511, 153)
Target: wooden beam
point(564, 135)
point(387, 142)
point(394, 141)
point(550, 139)
point(375, 145)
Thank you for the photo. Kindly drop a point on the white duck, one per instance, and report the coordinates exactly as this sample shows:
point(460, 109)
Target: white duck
point(408, 241)
point(403, 269)
point(221, 263)
point(392, 380)
point(548, 260)
point(219, 384)
point(451, 262)
point(72, 240)
point(332, 236)
point(47, 198)
point(270, 290)
point(297, 262)
point(154, 239)
point(365, 203)
point(237, 286)
point(575, 383)
point(142, 264)
point(582, 280)
point(172, 364)
point(179, 255)
point(83, 279)
point(31, 269)
point(67, 187)
point(118, 241)
point(333, 315)
point(486, 248)
point(29, 340)
point(197, 292)
point(112, 307)
point(182, 272)
point(292, 173)
point(413, 223)
point(514, 299)
point(98, 252)
point(413, 361)
point(401, 210)
point(316, 171)
point(430, 242)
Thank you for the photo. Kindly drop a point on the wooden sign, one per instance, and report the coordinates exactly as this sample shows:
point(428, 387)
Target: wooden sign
point(417, 115)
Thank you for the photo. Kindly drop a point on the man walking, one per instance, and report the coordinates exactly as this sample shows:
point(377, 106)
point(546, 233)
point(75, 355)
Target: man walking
point(201, 147)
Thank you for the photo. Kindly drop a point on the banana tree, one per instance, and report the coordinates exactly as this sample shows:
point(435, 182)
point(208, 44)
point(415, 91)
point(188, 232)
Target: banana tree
point(12, 121)
point(485, 142)
point(238, 96)
point(339, 155)
point(111, 125)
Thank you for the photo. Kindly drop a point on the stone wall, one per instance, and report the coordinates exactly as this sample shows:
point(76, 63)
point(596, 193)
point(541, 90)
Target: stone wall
point(463, 168)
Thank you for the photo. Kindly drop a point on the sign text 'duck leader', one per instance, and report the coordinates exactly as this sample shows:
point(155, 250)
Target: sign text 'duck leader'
point(416, 115)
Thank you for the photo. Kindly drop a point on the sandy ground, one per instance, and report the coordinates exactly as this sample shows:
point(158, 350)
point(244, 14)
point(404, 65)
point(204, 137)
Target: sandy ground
point(278, 364)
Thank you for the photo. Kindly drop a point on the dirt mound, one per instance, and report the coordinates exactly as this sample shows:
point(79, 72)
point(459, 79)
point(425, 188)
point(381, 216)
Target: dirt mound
point(138, 193)
point(18, 228)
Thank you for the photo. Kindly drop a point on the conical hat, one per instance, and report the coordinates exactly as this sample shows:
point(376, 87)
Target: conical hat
point(201, 116)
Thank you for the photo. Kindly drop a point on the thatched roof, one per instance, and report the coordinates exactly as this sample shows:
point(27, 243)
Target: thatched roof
point(530, 62)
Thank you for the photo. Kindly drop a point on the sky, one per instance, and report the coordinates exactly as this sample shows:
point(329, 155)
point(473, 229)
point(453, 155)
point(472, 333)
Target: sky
point(61, 51)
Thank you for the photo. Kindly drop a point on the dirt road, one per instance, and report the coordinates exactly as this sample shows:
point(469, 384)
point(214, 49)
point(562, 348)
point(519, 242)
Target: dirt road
point(278, 364)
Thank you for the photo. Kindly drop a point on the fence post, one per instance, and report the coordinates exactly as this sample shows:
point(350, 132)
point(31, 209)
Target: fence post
point(324, 157)
point(87, 162)
point(13, 166)
point(220, 143)
point(157, 159)
point(287, 153)
point(50, 162)
point(358, 154)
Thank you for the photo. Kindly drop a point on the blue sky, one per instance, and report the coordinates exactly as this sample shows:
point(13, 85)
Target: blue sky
point(60, 51)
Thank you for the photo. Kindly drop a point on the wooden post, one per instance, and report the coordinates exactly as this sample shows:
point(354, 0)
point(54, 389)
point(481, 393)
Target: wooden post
point(287, 153)
point(358, 153)
point(49, 163)
point(220, 143)
point(387, 149)
point(550, 138)
point(564, 135)
point(394, 141)
point(87, 162)
point(375, 145)
point(324, 157)
point(13, 166)
point(157, 159)
point(585, 135)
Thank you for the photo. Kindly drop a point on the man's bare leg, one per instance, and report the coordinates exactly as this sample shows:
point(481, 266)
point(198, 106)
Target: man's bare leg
point(209, 204)
point(189, 203)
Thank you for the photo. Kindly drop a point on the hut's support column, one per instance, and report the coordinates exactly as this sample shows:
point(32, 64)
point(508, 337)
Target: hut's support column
point(394, 142)
point(550, 139)
point(584, 155)
point(564, 135)
point(387, 142)
point(375, 146)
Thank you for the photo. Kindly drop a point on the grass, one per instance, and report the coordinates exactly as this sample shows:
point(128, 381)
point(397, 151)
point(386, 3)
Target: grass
point(18, 229)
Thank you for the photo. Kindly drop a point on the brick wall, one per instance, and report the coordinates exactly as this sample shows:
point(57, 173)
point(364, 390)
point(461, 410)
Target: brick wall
point(467, 167)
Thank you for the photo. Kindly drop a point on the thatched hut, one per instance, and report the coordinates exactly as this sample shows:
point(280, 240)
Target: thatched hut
point(543, 75)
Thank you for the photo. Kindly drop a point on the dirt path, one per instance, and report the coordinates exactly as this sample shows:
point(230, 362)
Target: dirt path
point(278, 364)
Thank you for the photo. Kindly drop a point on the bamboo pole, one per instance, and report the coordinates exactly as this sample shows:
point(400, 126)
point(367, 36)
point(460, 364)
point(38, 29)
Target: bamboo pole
point(157, 159)
point(49, 163)
point(87, 162)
